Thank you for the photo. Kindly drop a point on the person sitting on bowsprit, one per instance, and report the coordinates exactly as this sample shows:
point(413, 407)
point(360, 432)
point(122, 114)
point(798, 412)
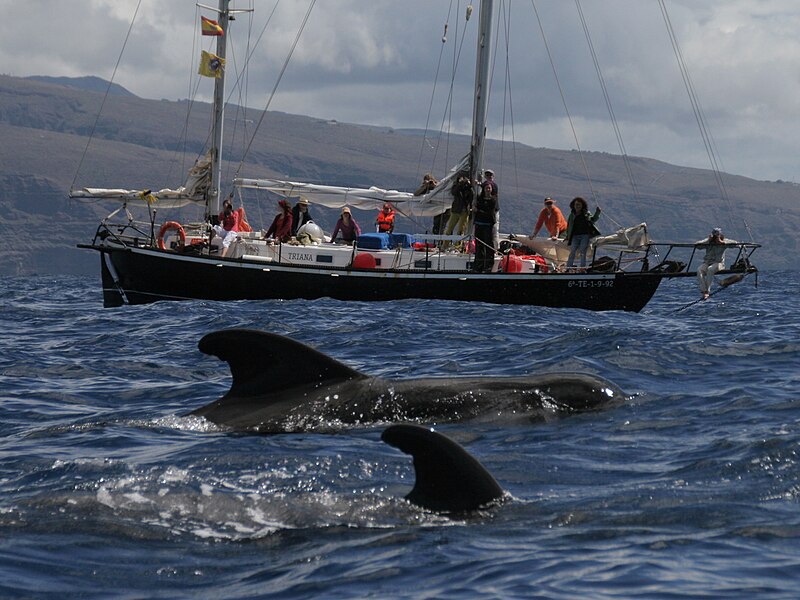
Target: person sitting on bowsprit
point(385, 220)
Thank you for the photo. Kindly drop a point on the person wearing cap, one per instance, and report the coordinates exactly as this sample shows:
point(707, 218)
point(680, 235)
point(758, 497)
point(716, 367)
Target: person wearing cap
point(347, 226)
point(486, 213)
point(281, 227)
point(553, 220)
point(385, 221)
point(228, 226)
point(300, 215)
point(713, 260)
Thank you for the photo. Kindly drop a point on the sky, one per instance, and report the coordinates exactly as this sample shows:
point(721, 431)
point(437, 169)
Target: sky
point(383, 62)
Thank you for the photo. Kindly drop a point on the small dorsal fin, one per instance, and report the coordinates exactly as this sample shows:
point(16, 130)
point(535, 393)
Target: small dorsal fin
point(448, 478)
point(262, 362)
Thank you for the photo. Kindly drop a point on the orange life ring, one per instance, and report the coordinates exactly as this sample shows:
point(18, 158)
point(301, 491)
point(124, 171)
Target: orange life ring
point(165, 228)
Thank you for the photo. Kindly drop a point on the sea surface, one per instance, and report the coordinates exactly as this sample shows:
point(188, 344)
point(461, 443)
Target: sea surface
point(690, 489)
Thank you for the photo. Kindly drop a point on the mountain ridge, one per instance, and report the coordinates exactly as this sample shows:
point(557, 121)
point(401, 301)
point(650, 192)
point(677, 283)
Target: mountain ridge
point(140, 143)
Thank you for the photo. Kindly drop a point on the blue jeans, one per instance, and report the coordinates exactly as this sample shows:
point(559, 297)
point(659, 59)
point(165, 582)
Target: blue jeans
point(578, 245)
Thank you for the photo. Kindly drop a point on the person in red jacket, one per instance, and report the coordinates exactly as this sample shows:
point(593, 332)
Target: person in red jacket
point(385, 220)
point(281, 228)
point(228, 225)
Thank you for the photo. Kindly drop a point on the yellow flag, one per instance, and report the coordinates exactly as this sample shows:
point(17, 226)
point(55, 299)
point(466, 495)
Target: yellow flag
point(211, 65)
point(148, 197)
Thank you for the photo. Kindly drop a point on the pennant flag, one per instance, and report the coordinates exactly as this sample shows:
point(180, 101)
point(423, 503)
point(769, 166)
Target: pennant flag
point(211, 65)
point(209, 27)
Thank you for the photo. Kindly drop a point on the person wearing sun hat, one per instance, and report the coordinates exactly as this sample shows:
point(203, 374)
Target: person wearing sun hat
point(553, 220)
point(347, 226)
point(713, 260)
point(281, 227)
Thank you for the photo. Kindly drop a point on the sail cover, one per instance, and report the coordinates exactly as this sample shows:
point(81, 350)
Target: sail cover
point(427, 205)
point(193, 192)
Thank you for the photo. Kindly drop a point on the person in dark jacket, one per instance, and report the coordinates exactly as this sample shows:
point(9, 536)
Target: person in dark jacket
point(580, 229)
point(300, 215)
point(462, 203)
point(486, 208)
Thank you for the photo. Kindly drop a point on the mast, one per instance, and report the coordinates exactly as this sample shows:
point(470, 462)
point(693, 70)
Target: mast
point(213, 202)
point(483, 66)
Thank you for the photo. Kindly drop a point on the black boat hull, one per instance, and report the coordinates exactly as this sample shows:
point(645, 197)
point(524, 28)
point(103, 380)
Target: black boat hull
point(144, 275)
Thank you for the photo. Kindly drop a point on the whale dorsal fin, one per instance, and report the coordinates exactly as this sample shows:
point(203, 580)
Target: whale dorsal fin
point(448, 478)
point(262, 362)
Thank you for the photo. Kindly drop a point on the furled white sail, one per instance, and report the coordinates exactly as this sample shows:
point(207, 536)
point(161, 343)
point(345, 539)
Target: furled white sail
point(427, 205)
point(193, 192)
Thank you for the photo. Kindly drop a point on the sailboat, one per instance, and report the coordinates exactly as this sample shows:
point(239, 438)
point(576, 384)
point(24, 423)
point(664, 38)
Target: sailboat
point(185, 261)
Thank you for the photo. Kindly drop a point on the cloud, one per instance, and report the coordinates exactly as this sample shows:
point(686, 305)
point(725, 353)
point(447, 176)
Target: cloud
point(375, 63)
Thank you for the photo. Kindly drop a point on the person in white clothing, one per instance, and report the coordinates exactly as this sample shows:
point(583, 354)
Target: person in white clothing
point(713, 261)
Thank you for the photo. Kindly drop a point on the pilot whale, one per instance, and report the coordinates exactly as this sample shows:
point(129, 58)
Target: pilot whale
point(281, 385)
point(448, 478)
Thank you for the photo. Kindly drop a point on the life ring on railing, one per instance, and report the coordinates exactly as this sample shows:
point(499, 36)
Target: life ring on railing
point(165, 228)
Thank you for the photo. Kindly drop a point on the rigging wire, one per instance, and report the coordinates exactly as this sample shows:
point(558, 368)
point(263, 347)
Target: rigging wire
point(241, 83)
point(508, 99)
point(277, 82)
point(194, 80)
point(447, 116)
point(105, 96)
point(433, 92)
point(694, 100)
point(564, 101)
point(446, 123)
point(607, 98)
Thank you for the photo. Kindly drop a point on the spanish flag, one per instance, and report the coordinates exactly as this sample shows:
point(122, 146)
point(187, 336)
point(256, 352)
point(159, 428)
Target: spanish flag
point(211, 65)
point(209, 27)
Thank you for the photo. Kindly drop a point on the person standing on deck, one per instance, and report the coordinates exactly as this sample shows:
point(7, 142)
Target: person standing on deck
point(486, 209)
point(553, 220)
point(580, 229)
point(385, 221)
point(462, 203)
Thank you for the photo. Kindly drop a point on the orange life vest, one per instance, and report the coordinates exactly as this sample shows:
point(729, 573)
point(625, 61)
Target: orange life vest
point(385, 222)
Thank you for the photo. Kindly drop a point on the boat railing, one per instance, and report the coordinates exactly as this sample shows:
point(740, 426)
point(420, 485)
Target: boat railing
point(681, 259)
point(130, 233)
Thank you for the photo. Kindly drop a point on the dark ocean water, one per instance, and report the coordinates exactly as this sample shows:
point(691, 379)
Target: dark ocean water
point(690, 489)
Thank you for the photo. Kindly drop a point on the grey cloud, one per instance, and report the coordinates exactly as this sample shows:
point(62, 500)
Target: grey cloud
point(374, 62)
